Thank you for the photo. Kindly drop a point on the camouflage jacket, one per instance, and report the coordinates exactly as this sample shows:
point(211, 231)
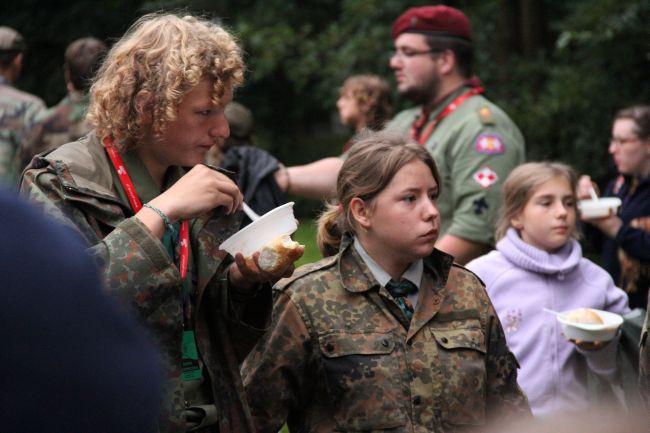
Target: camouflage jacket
point(18, 112)
point(63, 123)
point(74, 184)
point(341, 356)
point(644, 362)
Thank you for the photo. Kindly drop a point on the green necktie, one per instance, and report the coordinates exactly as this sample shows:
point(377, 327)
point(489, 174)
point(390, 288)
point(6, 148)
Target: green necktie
point(400, 290)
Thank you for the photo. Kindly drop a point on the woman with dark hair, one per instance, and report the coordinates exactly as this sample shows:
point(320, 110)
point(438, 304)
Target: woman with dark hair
point(625, 237)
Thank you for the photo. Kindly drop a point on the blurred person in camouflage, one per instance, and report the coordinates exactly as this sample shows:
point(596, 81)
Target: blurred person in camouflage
point(644, 361)
point(474, 143)
point(388, 334)
point(136, 188)
point(66, 121)
point(18, 109)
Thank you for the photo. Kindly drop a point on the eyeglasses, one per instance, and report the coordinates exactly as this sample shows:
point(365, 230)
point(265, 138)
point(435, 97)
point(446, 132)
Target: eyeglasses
point(615, 141)
point(408, 54)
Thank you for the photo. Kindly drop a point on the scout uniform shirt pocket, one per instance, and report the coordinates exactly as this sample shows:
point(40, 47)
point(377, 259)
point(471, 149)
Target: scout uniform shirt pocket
point(362, 374)
point(462, 354)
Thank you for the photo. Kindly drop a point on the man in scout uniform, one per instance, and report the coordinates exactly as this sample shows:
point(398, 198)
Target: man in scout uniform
point(18, 109)
point(474, 143)
point(66, 121)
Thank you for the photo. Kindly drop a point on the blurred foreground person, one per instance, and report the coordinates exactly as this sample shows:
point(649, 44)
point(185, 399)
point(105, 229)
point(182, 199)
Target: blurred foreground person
point(18, 109)
point(473, 141)
point(624, 237)
point(387, 334)
point(66, 121)
point(364, 104)
point(137, 190)
point(603, 419)
point(73, 362)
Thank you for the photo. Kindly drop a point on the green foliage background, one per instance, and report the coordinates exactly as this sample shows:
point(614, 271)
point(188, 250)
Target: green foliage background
point(561, 68)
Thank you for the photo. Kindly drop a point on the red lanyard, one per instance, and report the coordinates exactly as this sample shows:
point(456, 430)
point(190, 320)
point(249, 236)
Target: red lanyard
point(136, 204)
point(424, 136)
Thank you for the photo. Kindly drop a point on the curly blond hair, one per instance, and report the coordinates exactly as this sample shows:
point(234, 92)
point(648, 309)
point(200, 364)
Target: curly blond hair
point(158, 60)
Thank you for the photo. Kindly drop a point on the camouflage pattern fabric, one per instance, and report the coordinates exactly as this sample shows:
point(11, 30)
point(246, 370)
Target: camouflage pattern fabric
point(18, 112)
point(74, 185)
point(341, 356)
point(63, 123)
point(644, 362)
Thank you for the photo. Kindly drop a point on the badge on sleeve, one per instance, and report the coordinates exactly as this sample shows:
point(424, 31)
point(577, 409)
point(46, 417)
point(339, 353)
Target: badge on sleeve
point(485, 177)
point(489, 144)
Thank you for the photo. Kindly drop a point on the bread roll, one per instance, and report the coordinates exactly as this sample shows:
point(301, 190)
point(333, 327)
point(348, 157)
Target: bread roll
point(584, 315)
point(279, 253)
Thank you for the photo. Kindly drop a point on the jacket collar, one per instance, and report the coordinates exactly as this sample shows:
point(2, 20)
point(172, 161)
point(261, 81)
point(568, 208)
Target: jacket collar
point(83, 166)
point(357, 278)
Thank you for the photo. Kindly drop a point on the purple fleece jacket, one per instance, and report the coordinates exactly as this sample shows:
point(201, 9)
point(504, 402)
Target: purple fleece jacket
point(521, 280)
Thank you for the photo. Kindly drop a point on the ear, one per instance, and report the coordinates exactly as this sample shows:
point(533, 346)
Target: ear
point(360, 212)
point(447, 62)
point(516, 222)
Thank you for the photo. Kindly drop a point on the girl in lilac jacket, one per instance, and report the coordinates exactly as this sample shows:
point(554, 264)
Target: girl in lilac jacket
point(537, 264)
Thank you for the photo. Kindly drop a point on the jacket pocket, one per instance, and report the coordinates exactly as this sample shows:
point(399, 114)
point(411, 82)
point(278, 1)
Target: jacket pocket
point(362, 373)
point(462, 354)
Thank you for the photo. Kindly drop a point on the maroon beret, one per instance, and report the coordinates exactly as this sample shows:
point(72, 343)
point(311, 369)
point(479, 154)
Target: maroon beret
point(436, 20)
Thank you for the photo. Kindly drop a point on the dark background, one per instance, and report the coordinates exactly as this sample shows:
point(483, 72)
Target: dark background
point(560, 68)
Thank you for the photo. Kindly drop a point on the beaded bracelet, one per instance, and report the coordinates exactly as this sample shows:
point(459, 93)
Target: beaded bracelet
point(168, 224)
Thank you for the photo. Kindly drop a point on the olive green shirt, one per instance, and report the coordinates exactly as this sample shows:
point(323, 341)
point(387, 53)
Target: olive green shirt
point(475, 148)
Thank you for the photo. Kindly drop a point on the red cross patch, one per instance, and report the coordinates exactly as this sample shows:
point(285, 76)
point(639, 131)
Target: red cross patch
point(485, 177)
point(489, 144)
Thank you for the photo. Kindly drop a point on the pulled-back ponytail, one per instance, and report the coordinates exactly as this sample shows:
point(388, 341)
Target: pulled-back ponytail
point(372, 163)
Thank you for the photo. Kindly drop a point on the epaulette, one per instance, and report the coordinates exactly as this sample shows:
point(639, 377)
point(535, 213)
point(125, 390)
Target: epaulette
point(306, 269)
point(485, 114)
point(458, 265)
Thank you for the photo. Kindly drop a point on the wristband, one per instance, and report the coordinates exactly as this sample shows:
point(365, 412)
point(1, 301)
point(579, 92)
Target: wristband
point(168, 224)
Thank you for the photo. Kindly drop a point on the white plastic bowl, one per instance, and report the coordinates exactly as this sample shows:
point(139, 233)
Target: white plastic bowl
point(253, 237)
point(588, 332)
point(599, 208)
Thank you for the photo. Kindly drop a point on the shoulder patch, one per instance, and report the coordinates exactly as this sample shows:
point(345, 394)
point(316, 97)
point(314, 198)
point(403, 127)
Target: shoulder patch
point(305, 270)
point(489, 144)
point(485, 177)
point(485, 114)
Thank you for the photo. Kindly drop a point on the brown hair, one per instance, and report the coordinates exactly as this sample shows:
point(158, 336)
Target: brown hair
point(163, 57)
point(371, 164)
point(521, 184)
point(82, 59)
point(463, 50)
point(640, 115)
point(374, 93)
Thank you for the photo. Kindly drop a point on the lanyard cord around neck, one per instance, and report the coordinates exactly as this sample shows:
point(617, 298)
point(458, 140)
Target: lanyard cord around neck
point(136, 204)
point(422, 136)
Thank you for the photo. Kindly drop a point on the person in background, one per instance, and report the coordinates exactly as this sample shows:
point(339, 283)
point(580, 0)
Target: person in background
point(473, 141)
point(365, 104)
point(18, 109)
point(154, 215)
point(538, 264)
point(389, 333)
point(74, 362)
point(624, 237)
point(254, 168)
point(66, 121)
